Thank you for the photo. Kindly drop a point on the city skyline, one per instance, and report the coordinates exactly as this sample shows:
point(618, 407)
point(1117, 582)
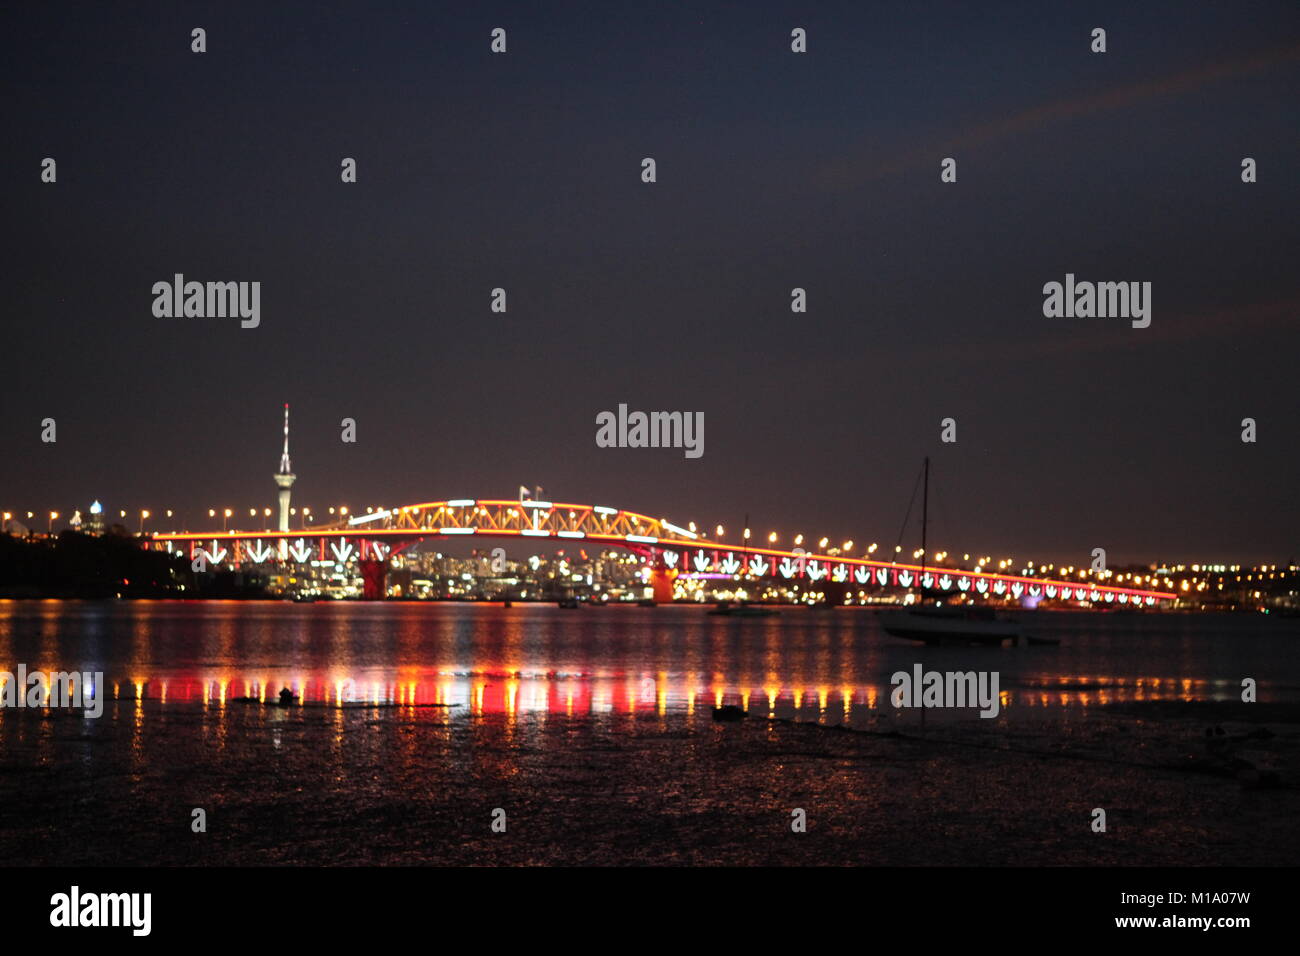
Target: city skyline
point(284, 516)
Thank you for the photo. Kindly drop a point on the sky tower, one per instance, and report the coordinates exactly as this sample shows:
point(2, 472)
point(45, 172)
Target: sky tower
point(284, 478)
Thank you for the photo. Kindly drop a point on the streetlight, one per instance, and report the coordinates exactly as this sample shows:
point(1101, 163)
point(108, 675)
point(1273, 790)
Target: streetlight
point(49, 529)
point(144, 513)
point(306, 514)
point(771, 538)
point(225, 516)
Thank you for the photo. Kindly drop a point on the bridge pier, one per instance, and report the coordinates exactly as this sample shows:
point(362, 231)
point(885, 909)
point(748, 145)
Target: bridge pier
point(661, 580)
point(373, 574)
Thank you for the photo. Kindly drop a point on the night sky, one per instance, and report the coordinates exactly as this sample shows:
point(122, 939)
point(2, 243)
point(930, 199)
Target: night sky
point(775, 171)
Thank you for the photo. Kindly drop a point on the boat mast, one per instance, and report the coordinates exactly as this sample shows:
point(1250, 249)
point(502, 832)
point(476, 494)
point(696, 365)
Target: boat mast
point(925, 511)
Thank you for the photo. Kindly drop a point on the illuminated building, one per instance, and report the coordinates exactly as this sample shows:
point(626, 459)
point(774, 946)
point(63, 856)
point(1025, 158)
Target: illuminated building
point(93, 522)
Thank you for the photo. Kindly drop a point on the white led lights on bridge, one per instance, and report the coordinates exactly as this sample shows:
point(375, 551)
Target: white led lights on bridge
point(537, 504)
point(602, 510)
point(571, 534)
point(641, 539)
point(535, 534)
point(364, 518)
point(463, 503)
point(682, 531)
point(457, 530)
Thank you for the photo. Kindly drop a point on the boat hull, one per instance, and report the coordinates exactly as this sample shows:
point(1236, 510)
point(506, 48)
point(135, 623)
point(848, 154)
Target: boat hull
point(941, 629)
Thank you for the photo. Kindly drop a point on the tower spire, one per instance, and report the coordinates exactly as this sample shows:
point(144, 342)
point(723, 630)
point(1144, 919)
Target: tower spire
point(284, 481)
point(285, 467)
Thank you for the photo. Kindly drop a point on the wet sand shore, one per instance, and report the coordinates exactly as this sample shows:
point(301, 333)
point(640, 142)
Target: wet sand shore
point(408, 785)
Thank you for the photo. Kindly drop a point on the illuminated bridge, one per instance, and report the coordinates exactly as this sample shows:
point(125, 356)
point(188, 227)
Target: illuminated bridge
point(674, 552)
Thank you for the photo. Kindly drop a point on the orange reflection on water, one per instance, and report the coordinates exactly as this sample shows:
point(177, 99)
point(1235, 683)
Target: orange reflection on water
point(514, 691)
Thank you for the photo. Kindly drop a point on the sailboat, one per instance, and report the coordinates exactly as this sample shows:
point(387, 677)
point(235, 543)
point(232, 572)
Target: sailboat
point(936, 623)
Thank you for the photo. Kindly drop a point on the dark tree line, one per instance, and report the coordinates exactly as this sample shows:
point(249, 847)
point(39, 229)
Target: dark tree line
point(100, 566)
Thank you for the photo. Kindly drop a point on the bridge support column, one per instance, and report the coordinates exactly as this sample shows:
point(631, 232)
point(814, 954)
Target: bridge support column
point(661, 580)
point(373, 574)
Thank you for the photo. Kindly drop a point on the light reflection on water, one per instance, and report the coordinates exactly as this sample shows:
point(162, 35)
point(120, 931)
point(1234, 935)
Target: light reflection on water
point(827, 666)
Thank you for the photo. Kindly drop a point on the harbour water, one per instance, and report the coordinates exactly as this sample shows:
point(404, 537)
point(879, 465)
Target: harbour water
point(593, 730)
point(828, 666)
